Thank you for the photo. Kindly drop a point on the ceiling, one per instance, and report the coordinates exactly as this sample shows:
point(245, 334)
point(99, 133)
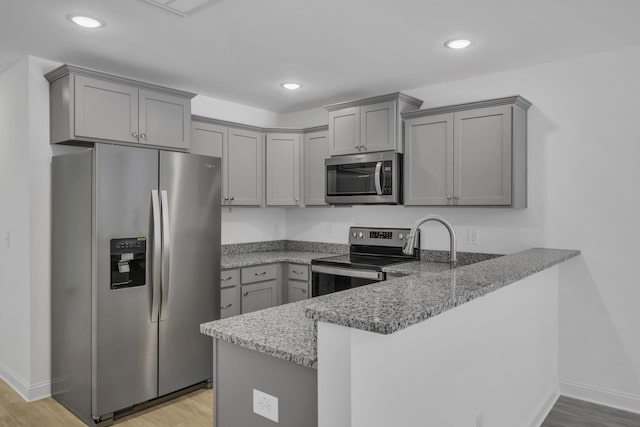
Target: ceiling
point(241, 50)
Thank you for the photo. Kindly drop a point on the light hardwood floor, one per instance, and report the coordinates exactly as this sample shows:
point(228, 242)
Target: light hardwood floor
point(191, 410)
point(196, 410)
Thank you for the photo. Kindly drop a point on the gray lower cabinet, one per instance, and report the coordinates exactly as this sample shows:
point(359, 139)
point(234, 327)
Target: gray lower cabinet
point(283, 169)
point(229, 293)
point(316, 150)
point(467, 155)
point(90, 106)
point(259, 296)
point(298, 284)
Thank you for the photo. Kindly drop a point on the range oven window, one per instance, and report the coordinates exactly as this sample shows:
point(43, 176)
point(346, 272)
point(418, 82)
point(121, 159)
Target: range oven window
point(323, 283)
point(351, 179)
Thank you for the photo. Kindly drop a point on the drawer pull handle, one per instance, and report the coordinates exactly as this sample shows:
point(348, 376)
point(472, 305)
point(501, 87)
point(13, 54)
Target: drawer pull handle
point(226, 278)
point(226, 306)
point(304, 291)
point(260, 274)
point(297, 272)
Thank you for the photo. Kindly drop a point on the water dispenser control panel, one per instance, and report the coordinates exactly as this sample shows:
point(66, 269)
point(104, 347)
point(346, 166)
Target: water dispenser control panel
point(128, 262)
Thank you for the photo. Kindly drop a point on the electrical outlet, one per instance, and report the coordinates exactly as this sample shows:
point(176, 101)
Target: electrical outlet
point(472, 236)
point(265, 405)
point(480, 420)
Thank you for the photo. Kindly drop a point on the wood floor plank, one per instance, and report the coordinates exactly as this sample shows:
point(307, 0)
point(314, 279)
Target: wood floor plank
point(568, 412)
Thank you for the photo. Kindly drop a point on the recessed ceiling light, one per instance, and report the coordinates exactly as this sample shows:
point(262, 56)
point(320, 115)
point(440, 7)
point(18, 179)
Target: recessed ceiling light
point(458, 43)
point(291, 85)
point(85, 21)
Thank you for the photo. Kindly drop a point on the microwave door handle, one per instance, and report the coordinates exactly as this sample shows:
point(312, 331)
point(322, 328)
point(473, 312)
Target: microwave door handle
point(378, 177)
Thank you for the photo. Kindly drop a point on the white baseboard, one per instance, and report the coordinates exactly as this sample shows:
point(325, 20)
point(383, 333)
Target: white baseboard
point(544, 407)
point(28, 392)
point(601, 396)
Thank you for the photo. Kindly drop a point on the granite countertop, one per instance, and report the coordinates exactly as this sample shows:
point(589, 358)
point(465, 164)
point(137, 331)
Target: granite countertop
point(289, 331)
point(270, 257)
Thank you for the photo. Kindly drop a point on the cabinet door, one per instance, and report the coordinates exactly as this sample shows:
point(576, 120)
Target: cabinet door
point(316, 150)
point(297, 290)
point(165, 120)
point(344, 131)
point(428, 160)
point(482, 157)
point(229, 302)
point(378, 126)
point(244, 167)
point(259, 296)
point(210, 140)
point(283, 169)
point(105, 110)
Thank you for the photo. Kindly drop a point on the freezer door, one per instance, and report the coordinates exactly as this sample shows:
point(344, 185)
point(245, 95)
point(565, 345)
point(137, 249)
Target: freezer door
point(125, 339)
point(190, 186)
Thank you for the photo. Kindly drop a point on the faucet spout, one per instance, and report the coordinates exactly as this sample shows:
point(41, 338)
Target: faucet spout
point(409, 244)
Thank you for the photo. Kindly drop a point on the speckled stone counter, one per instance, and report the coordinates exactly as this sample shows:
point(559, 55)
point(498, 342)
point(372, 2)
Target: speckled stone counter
point(289, 331)
point(390, 306)
point(270, 257)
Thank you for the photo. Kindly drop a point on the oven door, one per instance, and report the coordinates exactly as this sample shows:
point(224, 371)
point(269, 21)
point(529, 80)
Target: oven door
point(326, 279)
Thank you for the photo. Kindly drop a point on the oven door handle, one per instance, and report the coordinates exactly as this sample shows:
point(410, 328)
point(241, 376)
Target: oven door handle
point(359, 274)
point(378, 178)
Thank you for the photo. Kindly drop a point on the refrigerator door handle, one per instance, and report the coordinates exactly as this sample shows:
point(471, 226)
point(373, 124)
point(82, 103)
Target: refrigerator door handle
point(166, 255)
point(155, 256)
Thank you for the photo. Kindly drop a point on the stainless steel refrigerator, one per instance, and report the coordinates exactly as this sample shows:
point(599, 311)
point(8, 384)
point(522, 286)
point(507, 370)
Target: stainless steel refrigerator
point(135, 271)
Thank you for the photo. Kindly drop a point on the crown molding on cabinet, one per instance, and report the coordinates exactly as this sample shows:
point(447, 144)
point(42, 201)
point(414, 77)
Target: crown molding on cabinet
point(516, 99)
point(66, 69)
point(396, 96)
point(237, 125)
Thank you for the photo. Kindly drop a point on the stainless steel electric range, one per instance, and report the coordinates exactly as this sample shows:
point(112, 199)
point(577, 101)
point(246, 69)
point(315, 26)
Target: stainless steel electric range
point(370, 250)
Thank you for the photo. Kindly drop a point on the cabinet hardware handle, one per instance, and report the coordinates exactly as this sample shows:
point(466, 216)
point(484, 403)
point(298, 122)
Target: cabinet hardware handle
point(297, 199)
point(225, 307)
point(227, 278)
point(297, 272)
point(244, 294)
point(134, 134)
point(448, 197)
point(455, 197)
point(232, 198)
point(260, 274)
point(304, 291)
point(225, 198)
point(143, 136)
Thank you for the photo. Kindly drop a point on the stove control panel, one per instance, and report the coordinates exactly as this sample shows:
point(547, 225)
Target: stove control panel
point(390, 237)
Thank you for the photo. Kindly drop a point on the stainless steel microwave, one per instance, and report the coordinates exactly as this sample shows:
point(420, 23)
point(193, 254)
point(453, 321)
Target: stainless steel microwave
point(372, 178)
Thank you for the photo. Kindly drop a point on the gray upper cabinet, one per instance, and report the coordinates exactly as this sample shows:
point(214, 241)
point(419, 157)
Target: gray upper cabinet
point(467, 155)
point(244, 157)
point(105, 110)
point(428, 160)
point(283, 169)
point(208, 140)
point(164, 120)
point(90, 106)
point(368, 125)
point(378, 126)
point(344, 126)
point(316, 150)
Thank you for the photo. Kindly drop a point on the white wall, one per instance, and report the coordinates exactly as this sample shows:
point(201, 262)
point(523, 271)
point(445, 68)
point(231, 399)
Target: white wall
point(584, 146)
point(304, 119)
point(225, 110)
point(25, 188)
point(495, 358)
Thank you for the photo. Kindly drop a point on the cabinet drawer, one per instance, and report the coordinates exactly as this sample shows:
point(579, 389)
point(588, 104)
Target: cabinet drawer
point(229, 302)
point(229, 278)
point(259, 273)
point(298, 272)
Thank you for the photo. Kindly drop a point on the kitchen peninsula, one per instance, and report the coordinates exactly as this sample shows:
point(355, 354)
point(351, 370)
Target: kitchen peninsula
point(422, 349)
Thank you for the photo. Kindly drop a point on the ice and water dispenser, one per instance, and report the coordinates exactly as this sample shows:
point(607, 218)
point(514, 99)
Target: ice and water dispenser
point(128, 262)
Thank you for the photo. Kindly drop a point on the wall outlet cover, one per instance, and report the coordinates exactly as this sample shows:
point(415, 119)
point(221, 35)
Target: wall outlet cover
point(265, 405)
